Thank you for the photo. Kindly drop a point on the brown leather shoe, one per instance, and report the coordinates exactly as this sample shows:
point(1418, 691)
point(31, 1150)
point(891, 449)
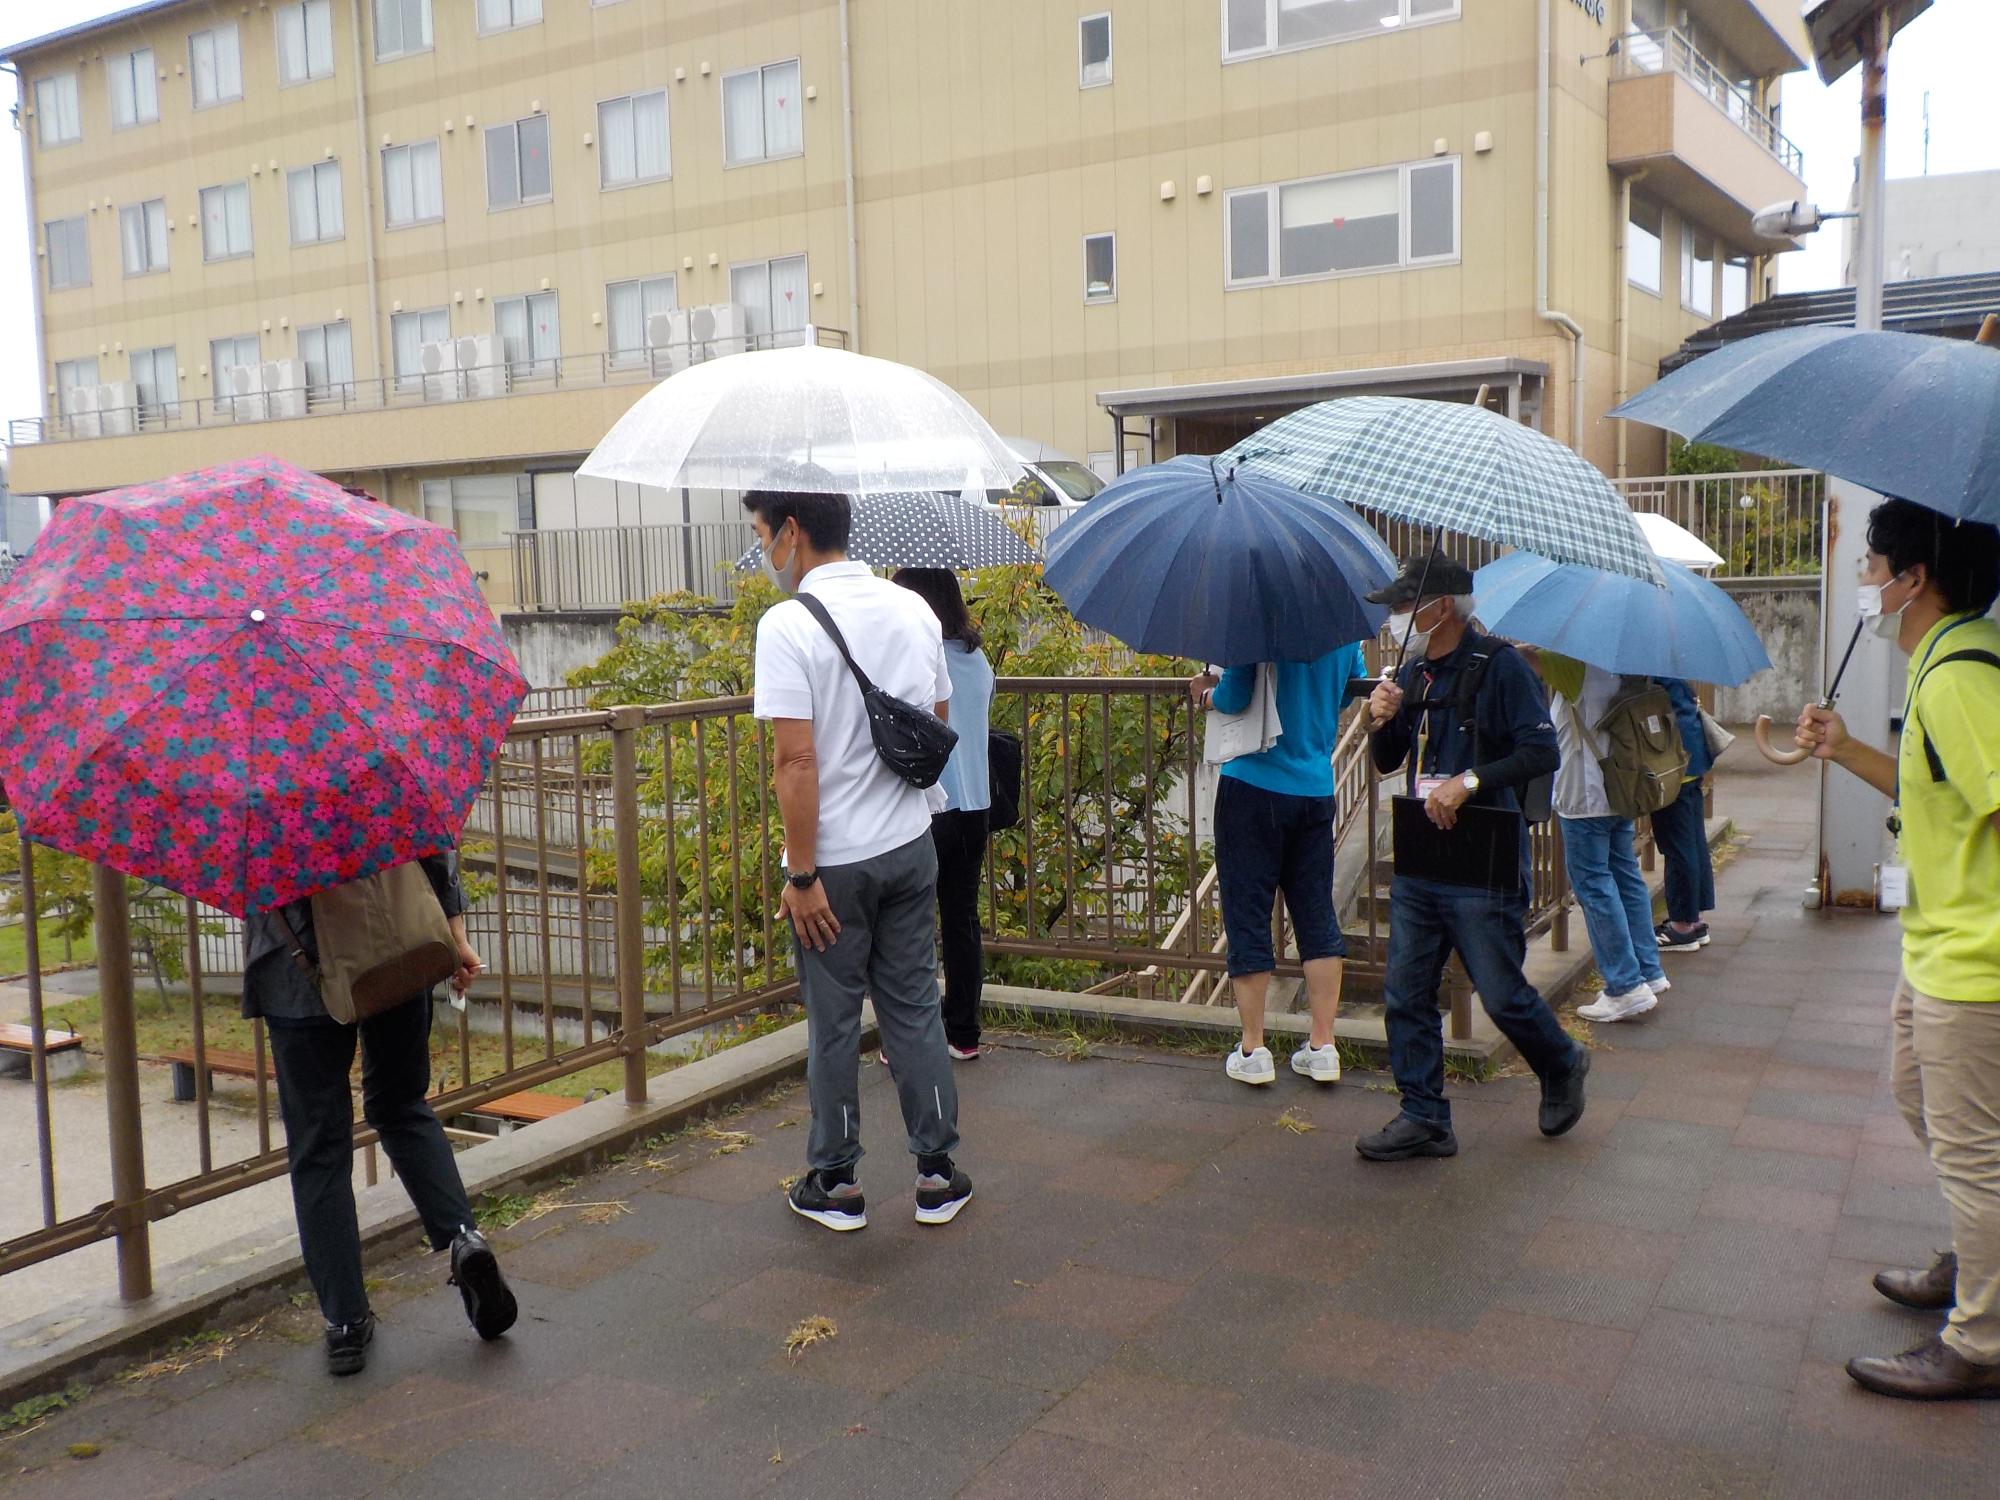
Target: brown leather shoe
point(1930, 1290)
point(1932, 1371)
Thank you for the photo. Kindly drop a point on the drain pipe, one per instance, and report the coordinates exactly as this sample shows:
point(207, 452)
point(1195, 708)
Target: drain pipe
point(51, 407)
point(367, 165)
point(1543, 311)
point(847, 141)
point(1624, 341)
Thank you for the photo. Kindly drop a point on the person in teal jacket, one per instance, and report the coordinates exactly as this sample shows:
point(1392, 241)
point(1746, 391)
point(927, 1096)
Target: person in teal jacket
point(1274, 814)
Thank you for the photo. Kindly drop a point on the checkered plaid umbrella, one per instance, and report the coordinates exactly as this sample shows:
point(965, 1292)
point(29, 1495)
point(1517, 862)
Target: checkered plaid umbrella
point(921, 529)
point(1455, 468)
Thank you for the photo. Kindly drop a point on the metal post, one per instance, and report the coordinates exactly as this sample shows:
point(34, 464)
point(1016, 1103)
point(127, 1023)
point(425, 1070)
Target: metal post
point(625, 726)
point(31, 941)
point(121, 1087)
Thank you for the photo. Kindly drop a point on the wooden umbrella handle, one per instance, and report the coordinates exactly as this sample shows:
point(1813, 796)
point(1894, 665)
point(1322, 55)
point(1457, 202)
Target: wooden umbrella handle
point(1776, 757)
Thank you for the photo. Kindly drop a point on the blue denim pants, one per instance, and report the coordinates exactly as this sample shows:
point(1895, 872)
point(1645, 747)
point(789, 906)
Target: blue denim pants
point(1427, 923)
point(1617, 907)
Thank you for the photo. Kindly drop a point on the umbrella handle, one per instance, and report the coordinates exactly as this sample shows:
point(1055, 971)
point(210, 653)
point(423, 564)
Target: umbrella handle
point(1776, 757)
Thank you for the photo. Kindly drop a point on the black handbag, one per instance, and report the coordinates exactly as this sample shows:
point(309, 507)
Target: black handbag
point(912, 741)
point(1003, 764)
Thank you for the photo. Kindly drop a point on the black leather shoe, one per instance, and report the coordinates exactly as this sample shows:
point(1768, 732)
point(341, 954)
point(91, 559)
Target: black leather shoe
point(1932, 1289)
point(347, 1346)
point(1562, 1098)
point(475, 1271)
point(1933, 1371)
point(1404, 1139)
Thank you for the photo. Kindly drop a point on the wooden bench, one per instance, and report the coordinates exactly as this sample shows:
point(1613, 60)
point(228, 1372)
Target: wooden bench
point(17, 1051)
point(218, 1060)
point(526, 1108)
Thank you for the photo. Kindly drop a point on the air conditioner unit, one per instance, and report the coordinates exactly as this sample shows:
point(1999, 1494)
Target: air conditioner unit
point(243, 385)
point(284, 387)
point(439, 362)
point(718, 330)
point(667, 339)
point(482, 365)
point(118, 405)
point(80, 403)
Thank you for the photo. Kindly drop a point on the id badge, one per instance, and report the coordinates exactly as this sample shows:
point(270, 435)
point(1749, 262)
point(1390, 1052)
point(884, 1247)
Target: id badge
point(1894, 885)
point(1428, 784)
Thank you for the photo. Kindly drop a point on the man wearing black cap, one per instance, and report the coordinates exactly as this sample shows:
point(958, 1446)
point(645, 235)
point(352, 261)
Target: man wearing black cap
point(1472, 711)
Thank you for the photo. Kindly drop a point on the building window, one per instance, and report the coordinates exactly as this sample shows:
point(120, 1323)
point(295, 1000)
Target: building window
point(215, 64)
point(760, 114)
point(1377, 220)
point(314, 195)
point(408, 333)
point(629, 310)
point(1252, 28)
point(773, 295)
point(73, 375)
point(1735, 285)
point(68, 242)
point(632, 140)
point(135, 89)
point(505, 15)
point(412, 187)
point(1100, 268)
point(401, 28)
point(225, 221)
point(481, 508)
point(305, 41)
point(225, 356)
point(530, 336)
point(142, 236)
point(517, 163)
point(1697, 271)
point(1644, 232)
point(327, 350)
point(56, 110)
point(1093, 51)
point(159, 386)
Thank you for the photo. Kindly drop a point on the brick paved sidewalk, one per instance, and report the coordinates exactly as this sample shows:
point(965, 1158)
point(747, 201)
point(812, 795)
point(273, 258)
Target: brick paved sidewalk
point(1159, 1291)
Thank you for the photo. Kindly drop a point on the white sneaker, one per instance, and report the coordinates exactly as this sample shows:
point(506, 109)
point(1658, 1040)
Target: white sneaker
point(1320, 1064)
point(1610, 1007)
point(1660, 986)
point(1255, 1067)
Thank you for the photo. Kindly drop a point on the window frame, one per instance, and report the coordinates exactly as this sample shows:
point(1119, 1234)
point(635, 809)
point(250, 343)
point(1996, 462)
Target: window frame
point(161, 413)
point(344, 389)
point(1272, 48)
point(1660, 238)
point(80, 225)
point(304, 10)
point(623, 358)
point(1689, 234)
point(414, 380)
point(667, 117)
point(145, 237)
point(1083, 78)
point(437, 158)
point(1723, 263)
point(481, 28)
point(1091, 299)
point(769, 338)
point(57, 367)
point(1405, 261)
point(375, 32)
point(534, 366)
point(236, 45)
point(249, 220)
point(521, 200)
point(340, 188)
point(42, 138)
point(152, 78)
point(763, 110)
point(215, 369)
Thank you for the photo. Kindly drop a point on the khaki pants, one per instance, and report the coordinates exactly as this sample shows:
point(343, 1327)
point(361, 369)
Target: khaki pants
point(1946, 1066)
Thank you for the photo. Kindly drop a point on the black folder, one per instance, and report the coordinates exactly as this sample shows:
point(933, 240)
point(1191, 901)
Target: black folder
point(1482, 851)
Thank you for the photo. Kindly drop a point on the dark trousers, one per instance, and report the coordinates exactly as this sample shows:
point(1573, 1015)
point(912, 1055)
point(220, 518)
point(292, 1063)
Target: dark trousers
point(1681, 831)
point(1427, 923)
point(1266, 842)
point(961, 855)
point(313, 1060)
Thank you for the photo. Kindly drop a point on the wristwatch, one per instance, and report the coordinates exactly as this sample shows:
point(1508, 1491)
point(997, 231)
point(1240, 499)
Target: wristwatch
point(802, 880)
point(1471, 780)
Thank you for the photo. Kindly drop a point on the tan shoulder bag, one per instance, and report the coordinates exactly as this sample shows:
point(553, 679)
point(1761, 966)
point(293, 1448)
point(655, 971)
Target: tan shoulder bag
point(382, 940)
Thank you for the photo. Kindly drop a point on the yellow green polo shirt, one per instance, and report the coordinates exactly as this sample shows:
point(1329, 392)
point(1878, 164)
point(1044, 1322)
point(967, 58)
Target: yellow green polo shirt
point(1951, 928)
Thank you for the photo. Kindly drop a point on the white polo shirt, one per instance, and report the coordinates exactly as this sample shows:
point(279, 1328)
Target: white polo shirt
point(865, 809)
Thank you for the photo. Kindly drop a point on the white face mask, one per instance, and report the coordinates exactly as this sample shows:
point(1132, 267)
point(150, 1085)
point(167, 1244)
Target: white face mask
point(1868, 606)
point(1399, 623)
point(778, 580)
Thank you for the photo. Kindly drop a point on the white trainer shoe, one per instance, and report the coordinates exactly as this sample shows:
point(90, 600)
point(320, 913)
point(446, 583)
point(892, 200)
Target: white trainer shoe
point(1621, 1007)
point(1660, 986)
point(1254, 1067)
point(1320, 1064)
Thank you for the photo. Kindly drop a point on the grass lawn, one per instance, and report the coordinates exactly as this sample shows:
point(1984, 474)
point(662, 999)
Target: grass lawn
point(14, 948)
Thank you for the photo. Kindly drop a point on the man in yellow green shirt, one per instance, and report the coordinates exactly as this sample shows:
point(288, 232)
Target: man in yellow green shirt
point(1928, 584)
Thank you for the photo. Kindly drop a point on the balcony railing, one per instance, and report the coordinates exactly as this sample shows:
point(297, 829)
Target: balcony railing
point(1644, 53)
point(520, 377)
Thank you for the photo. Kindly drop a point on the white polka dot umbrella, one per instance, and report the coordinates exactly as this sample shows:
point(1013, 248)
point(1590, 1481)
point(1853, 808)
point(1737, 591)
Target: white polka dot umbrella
point(922, 529)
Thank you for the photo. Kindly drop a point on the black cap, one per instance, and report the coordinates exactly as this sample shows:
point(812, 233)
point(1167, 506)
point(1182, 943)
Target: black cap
point(1437, 576)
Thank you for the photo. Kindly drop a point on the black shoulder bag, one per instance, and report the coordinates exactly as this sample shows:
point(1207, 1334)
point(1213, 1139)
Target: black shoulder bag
point(912, 741)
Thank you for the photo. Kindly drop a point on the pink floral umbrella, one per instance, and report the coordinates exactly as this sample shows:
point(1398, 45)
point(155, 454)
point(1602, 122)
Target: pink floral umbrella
point(247, 684)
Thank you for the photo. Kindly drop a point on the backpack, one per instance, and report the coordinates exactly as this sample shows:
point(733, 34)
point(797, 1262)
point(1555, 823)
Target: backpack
point(1931, 756)
point(1647, 762)
point(1537, 798)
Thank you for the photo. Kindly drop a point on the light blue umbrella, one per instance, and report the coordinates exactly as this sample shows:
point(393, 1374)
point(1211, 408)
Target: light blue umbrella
point(1689, 629)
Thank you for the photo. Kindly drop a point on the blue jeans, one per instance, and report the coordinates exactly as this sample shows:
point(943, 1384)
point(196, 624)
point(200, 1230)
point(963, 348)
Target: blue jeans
point(1266, 842)
point(1681, 830)
point(1617, 907)
point(1427, 923)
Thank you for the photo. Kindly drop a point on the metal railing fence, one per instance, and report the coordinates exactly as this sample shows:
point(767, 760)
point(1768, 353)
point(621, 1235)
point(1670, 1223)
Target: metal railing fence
point(1645, 53)
point(1765, 524)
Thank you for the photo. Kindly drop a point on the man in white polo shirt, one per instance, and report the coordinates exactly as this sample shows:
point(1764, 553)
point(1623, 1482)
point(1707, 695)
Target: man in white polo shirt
point(861, 870)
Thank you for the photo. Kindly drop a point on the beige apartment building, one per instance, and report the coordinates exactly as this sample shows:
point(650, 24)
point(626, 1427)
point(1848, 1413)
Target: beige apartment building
point(434, 248)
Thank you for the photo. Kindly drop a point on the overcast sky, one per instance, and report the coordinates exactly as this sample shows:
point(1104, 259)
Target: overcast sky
point(1947, 52)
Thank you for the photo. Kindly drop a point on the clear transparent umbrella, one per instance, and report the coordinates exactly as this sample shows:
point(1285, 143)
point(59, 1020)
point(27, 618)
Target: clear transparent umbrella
point(805, 418)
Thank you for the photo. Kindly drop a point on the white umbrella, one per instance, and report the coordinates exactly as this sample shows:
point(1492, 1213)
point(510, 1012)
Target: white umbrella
point(1676, 543)
point(804, 418)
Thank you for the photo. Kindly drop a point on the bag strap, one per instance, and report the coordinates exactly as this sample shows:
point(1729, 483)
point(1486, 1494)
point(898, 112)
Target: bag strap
point(1465, 693)
point(818, 611)
point(299, 954)
point(1986, 658)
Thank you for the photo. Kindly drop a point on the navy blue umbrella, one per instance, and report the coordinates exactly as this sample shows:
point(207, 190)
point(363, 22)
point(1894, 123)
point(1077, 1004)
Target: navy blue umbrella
point(1902, 413)
point(1198, 559)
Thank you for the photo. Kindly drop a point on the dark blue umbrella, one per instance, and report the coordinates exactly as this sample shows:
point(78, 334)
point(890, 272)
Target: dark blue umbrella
point(1689, 629)
point(1195, 558)
point(1902, 413)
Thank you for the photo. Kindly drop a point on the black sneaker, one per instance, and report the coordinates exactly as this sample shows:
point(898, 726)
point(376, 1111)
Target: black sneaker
point(1672, 940)
point(347, 1346)
point(838, 1205)
point(1404, 1139)
point(475, 1271)
point(940, 1197)
point(1562, 1097)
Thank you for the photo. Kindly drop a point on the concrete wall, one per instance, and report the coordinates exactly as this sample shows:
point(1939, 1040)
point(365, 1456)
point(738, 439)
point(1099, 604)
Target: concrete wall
point(1785, 612)
point(550, 647)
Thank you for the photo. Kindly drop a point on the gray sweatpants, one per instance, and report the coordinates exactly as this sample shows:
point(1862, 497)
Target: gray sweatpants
point(886, 950)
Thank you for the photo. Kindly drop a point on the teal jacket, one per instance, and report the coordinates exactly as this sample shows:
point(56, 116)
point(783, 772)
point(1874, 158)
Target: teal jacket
point(1311, 695)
